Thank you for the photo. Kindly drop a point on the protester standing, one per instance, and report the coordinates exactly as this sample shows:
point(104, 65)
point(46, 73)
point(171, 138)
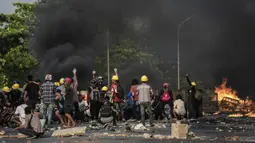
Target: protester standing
point(145, 92)
point(133, 90)
point(166, 101)
point(31, 92)
point(48, 97)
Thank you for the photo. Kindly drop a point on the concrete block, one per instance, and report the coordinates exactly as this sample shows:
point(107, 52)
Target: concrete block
point(77, 131)
point(179, 131)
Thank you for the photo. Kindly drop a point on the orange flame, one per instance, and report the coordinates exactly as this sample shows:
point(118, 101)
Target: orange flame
point(227, 93)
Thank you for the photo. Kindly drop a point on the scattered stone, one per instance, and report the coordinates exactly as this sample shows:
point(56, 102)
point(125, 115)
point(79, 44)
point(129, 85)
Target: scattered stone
point(139, 127)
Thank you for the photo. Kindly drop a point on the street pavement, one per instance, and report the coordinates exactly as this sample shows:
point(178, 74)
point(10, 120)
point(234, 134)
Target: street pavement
point(204, 130)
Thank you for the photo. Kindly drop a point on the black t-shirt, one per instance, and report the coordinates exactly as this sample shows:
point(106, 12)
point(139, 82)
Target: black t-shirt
point(32, 91)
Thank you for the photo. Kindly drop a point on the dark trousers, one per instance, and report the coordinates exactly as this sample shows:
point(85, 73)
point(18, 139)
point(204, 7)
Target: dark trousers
point(32, 104)
point(94, 109)
point(135, 111)
point(29, 132)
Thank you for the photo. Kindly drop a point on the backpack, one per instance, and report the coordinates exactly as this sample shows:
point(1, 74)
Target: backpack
point(199, 95)
point(106, 110)
point(120, 92)
point(165, 97)
point(95, 95)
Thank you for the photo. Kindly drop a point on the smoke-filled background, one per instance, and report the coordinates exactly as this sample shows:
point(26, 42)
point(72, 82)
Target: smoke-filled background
point(216, 42)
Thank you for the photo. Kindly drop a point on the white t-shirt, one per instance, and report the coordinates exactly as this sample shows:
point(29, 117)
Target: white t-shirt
point(21, 111)
point(179, 107)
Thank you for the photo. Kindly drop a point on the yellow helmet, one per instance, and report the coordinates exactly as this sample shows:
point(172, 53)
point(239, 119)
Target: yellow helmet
point(193, 84)
point(144, 78)
point(56, 84)
point(104, 88)
point(15, 86)
point(115, 77)
point(62, 81)
point(6, 89)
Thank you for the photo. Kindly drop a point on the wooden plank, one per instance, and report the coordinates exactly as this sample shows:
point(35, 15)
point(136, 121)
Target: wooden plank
point(76, 131)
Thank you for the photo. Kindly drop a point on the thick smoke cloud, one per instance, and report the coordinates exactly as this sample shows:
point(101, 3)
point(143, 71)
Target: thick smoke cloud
point(216, 42)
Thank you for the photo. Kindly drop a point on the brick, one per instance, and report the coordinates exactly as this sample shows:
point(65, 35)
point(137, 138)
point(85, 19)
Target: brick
point(179, 131)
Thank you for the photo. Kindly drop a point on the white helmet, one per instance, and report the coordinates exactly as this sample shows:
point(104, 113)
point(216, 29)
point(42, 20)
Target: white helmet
point(48, 77)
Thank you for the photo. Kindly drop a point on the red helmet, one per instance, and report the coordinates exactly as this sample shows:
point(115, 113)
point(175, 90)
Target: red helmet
point(165, 84)
point(68, 80)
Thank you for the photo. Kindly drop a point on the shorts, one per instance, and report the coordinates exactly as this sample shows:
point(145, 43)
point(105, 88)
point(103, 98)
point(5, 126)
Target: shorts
point(61, 111)
point(68, 109)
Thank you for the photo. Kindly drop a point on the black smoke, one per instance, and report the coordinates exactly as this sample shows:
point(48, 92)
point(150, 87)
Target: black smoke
point(216, 42)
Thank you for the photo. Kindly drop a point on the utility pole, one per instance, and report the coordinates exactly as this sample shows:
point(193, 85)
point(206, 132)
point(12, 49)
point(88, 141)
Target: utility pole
point(178, 50)
point(108, 56)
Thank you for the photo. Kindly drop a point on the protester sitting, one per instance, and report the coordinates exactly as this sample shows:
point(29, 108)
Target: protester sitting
point(179, 108)
point(108, 113)
point(20, 113)
point(32, 126)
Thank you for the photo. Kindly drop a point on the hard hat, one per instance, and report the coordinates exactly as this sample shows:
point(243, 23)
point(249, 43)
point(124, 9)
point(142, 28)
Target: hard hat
point(68, 80)
point(104, 88)
point(115, 77)
point(15, 81)
point(48, 77)
point(62, 81)
point(144, 78)
point(193, 84)
point(15, 86)
point(56, 84)
point(165, 84)
point(6, 89)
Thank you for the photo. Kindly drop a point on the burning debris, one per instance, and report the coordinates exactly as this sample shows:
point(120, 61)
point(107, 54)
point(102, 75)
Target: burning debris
point(230, 103)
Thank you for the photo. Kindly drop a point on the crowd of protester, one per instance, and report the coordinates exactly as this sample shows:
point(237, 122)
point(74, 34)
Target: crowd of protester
point(38, 105)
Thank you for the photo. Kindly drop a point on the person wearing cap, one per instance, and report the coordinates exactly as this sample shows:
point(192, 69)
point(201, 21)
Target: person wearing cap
point(192, 103)
point(48, 97)
point(6, 93)
point(145, 92)
point(166, 97)
point(15, 95)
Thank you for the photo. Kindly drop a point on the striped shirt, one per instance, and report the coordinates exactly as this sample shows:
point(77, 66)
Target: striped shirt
point(48, 92)
point(144, 92)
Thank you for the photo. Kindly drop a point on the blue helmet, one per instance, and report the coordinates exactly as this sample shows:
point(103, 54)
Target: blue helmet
point(15, 82)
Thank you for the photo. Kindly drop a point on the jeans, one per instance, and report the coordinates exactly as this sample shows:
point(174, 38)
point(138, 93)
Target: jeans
point(119, 107)
point(47, 111)
point(143, 106)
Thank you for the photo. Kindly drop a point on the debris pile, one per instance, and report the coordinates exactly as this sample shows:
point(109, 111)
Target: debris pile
point(230, 103)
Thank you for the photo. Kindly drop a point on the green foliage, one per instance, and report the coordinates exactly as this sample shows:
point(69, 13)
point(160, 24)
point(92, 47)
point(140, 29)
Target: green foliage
point(122, 54)
point(15, 32)
point(19, 62)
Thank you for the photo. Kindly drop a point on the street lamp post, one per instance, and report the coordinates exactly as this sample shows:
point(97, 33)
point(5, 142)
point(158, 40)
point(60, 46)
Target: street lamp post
point(178, 50)
point(108, 57)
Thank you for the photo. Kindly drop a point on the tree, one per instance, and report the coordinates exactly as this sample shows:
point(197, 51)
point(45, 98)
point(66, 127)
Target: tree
point(15, 32)
point(122, 54)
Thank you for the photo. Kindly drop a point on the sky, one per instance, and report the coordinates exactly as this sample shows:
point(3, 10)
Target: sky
point(6, 5)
